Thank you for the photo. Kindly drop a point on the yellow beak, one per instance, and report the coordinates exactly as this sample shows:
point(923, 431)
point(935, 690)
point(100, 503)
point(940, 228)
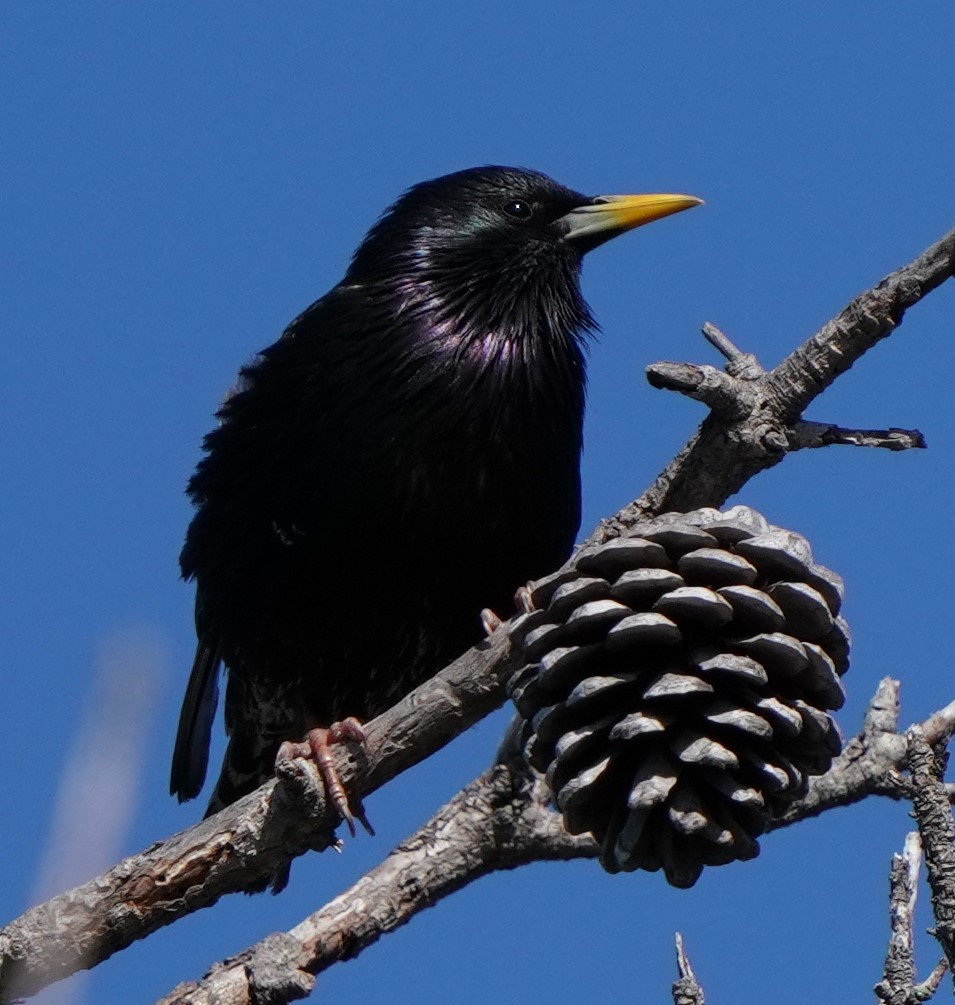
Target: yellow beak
point(610, 215)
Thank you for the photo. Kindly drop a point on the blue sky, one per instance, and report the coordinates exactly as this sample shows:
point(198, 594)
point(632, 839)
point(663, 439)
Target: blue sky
point(179, 180)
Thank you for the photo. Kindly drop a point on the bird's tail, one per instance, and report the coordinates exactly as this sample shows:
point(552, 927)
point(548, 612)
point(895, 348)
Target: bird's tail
point(190, 757)
point(249, 758)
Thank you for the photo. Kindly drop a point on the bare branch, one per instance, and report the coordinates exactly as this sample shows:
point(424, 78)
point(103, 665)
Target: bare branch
point(937, 828)
point(926, 990)
point(939, 727)
point(739, 363)
point(808, 435)
point(754, 412)
point(872, 762)
point(686, 990)
point(866, 761)
point(244, 843)
point(898, 986)
point(898, 974)
point(866, 320)
point(727, 397)
point(499, 821)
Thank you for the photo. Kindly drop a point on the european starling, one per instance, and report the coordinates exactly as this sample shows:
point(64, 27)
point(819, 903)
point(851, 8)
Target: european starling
point(406, 454)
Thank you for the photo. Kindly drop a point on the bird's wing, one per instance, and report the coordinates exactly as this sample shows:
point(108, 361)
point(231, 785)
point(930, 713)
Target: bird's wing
point(191, 754)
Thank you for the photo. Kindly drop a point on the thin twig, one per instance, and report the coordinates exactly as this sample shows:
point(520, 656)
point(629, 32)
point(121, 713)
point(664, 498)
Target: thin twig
point(926, 990)
point(808, 435)
point(898, 973)
point(686, 989)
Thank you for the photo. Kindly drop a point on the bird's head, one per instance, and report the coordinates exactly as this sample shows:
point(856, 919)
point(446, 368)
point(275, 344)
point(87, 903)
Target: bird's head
point(496, 244)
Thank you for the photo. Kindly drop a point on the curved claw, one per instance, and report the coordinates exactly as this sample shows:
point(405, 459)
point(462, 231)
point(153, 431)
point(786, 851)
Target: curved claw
point(317, 747)
point(524, 600)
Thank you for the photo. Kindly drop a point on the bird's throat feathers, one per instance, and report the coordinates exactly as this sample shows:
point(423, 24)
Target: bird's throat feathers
point(482, 303)
point(493, 343)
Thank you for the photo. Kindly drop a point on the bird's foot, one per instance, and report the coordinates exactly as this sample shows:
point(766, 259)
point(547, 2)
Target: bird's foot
point(490, 622)
point(317, 747)
point(524, 600)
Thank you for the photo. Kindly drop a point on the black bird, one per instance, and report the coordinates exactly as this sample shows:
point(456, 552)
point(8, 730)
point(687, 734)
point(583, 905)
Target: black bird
point(406, 454)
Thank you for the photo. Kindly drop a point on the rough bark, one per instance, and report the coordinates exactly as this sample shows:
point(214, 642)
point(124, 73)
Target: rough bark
point(937, 829)
point(898, 986)
point(501, 821)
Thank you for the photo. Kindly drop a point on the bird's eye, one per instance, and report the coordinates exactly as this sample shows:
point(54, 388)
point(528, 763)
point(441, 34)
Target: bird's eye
point(519, 209)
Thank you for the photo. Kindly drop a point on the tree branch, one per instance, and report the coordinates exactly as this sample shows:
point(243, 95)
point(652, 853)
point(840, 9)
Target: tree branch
point(937, 830)
point(866, 320)
point(872, 762)
point(898, 986)
point(898, 974)
point(499, 821)
point(247, 841)
point(809, 435)
point(686, 990)
point(754, 412)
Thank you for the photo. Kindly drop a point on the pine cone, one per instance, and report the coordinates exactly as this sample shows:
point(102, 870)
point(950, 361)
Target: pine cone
point(676, 687)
